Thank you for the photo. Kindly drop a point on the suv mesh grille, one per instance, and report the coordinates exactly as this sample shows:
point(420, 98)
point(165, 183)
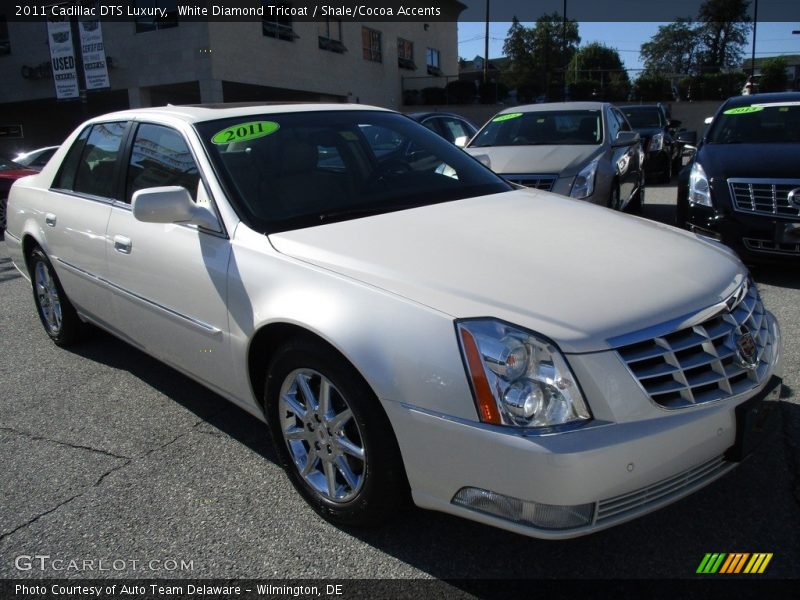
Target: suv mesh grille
point(764, 197)
point(700, 364)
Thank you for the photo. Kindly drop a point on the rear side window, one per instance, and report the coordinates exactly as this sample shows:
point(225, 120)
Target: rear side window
point(95, 169)
point(160, 157)
point(66, 178)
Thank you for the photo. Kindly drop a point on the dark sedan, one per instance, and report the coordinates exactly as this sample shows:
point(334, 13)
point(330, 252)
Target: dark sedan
point(658, 133)
point(743, 184)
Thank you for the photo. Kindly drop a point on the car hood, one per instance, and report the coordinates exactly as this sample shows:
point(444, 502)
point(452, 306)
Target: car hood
point(721, 161)
point(577, 273)
point(564, 160)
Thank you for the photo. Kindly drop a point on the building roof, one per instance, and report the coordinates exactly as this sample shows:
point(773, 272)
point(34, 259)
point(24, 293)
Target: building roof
point(791, 60)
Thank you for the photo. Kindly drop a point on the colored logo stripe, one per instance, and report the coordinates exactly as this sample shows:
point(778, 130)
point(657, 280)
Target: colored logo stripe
point(736, 562)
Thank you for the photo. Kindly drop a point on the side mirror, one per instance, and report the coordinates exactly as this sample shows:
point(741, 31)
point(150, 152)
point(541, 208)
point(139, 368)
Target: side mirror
point(626, 138)
point(675, 123)
point(688, 137)
point(171, 204)
point(461, 141)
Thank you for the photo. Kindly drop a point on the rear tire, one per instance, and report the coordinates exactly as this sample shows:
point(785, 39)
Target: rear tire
point(59, 318)
point(332, 437)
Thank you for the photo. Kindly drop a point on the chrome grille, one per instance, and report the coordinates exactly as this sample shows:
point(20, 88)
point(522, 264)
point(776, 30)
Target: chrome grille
point(700, 363)
point(662, 492)
point(538, 182)
point(764, 197)
point(770, 246)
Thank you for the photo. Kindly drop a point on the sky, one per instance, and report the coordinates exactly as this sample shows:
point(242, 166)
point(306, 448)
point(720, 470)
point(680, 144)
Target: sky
point(771, 39)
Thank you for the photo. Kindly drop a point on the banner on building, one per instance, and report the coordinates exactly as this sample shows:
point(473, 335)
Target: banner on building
point(93, 52)
point(62, 59)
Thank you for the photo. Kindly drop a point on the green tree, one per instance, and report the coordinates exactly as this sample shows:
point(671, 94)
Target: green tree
point(773, 75)
point(723, 31)
point(538, 55)
point(674, 49)
point(603, 66)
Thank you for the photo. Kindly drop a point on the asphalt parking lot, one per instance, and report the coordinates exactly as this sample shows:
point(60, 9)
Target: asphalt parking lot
point(108, 454)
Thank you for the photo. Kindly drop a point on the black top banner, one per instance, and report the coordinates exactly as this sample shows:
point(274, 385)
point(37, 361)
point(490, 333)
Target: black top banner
point(787, 11)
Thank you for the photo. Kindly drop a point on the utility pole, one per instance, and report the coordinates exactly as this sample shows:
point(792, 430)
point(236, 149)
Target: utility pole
point(564, 49)
point(486, 48)
point(753, 55)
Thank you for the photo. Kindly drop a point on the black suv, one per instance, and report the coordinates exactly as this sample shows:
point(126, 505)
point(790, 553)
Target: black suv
point(658, 133)
point(743, 184)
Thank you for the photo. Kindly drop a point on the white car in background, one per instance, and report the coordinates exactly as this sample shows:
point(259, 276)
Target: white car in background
point(36, 159)
point(404, 324)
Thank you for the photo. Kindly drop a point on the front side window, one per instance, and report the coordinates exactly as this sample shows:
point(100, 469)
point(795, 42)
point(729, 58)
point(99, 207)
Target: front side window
point(567, 127)
point(293, 170)
point(156, 14)
point(371, 43)
point(160, 157)
point(94, 170)
point(643, 117)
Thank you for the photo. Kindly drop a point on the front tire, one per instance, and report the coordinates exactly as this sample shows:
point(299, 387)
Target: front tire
point(613, 199)
point(3, 211)
point(59, 318)
point(332, 437)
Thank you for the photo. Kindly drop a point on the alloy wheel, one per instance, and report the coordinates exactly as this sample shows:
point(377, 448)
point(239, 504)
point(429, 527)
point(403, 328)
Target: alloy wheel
point(322, 435)
point(49, 300)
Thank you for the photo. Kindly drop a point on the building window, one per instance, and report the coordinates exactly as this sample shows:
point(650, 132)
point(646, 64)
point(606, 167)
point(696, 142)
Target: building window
point(152, 23)
point(371, 42)
point(5, 41)
point(278, 26)
point(432, 61)
point(405, 54)
point(330, 35)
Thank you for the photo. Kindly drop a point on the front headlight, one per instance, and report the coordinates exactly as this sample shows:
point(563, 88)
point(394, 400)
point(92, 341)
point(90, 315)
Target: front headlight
point(656, 142)
point(518, 378)
point(583, 187)
point(699, 190)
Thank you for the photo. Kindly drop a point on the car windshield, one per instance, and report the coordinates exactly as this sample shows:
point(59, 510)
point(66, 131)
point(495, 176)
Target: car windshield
point(641, 117)
point(7, 165)
point(292, 170)
point(549, 128)
point(767, 123)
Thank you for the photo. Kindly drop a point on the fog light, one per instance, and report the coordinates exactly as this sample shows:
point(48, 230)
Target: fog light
point(543, 516)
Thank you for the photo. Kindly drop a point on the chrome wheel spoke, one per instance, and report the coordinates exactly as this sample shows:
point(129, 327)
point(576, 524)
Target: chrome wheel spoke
point(350, 448)
point(338, 422)
point(344, 468)
point(324, 398)
point(296, 433)
point(294, 406)
point(311, 461)
point(305, 390)
point(330, 477)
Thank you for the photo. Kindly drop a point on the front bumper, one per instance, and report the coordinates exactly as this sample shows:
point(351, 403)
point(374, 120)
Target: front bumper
point(756, 238)
point(632, 459)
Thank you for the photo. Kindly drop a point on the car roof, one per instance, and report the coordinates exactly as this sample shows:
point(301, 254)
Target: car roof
point(417, 116)
point(761, 98)
point(635, 106)
point(197, 113)
point(546, 106)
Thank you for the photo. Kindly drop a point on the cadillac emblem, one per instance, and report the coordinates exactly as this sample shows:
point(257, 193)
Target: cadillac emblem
point(746, 349)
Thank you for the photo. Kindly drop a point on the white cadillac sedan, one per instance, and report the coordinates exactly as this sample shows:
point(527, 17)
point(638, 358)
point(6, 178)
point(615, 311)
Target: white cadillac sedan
point(403, 320)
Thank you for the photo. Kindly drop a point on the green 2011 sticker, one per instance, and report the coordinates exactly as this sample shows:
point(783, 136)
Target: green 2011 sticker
point(245, 131)
point(743, 110)
point(507, 117)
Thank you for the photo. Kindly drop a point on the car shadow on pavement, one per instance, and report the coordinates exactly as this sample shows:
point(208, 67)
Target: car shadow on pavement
point(7, 270)
point(212, 408)
point(777, 275)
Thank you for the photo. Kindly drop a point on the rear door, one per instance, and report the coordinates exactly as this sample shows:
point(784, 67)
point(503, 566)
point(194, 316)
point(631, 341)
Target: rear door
point(77, 212)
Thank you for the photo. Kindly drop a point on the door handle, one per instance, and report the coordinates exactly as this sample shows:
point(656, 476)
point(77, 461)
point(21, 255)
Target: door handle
point(122, 244)
point(50, 219)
